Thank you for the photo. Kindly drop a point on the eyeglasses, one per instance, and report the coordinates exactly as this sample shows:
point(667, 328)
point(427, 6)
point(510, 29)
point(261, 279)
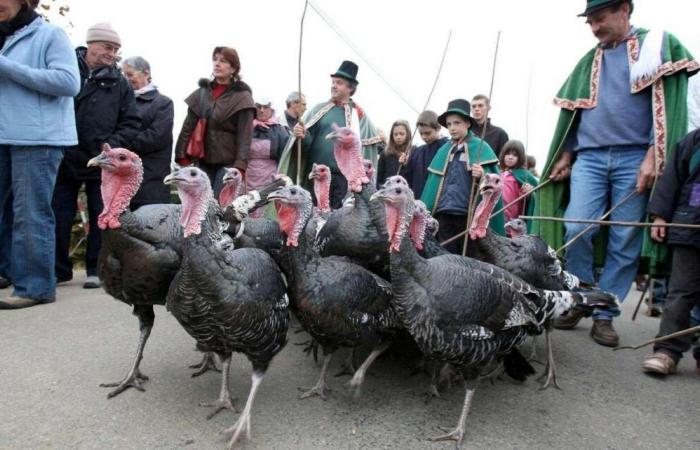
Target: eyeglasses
point(110, 47)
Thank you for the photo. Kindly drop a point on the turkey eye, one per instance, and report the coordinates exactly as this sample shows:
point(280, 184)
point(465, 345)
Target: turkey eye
point(193, 173)
point(398, 190)
point(122, 158)
point(293, 191)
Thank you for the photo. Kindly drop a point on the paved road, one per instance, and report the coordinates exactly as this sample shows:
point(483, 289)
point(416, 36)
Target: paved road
point(53, 358)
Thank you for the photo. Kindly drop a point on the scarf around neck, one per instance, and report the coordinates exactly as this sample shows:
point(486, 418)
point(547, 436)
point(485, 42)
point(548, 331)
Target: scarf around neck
point(24, 17)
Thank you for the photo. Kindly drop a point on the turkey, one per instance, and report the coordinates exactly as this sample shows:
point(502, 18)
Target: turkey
point(463, 311)
point(355, 231)
point(228, 300)
point(516, 228)
point(339, 303)
point(141, 250)
point(321, 176)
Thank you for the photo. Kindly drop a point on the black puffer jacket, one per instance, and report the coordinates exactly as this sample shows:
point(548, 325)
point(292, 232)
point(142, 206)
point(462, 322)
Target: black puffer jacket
point(154, 144)
point(677, 195)
point(105, 111)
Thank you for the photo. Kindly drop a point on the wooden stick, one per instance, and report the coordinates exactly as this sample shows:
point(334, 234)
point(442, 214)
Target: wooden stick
point(427, 101)
point(536, 188)
point(614, 223)
point(301, 40)
point(604, 216)
point(649, 281)
point(661, 339)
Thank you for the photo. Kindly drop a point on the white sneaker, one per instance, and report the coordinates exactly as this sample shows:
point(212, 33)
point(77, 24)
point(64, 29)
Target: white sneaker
point(92, 282)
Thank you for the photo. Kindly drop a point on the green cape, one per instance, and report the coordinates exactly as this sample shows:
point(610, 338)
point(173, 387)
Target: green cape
point(479, 152)
point(669, 84)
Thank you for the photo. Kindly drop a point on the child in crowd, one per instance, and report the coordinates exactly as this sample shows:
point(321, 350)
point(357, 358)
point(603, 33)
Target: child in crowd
point(517, 180)
point(531, 165)
point(676, 199)
point(415, 164)
point(388, 164)
point(448, 189)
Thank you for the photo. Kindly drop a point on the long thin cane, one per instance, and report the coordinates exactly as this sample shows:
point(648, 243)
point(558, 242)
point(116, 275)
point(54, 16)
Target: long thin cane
point(649, 281)
point(677, 334)
point(472, 199)
point(301, 40)
point(536, 188)
point(603, 217)
point(427, 101)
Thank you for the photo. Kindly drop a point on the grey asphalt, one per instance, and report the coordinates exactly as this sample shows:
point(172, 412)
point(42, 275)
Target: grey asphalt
point(53, 357)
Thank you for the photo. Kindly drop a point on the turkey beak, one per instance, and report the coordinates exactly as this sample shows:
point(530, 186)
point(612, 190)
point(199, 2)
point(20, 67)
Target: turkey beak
point(171, 179)
point(332, 136)
point(379, 195)
point(275, 195)
point(228, 177)
point(98, 161)
point(312, 175)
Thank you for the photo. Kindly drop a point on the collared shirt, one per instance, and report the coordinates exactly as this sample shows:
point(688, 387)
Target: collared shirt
point(457, 183)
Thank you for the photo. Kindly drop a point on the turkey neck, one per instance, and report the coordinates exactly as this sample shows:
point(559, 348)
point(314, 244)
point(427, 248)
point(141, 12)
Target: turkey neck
point(482, 215)
point(117, 192)
point(229, 193)
point(322, 190)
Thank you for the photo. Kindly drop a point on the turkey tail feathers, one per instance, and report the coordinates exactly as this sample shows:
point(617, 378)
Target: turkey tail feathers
point(516, 366)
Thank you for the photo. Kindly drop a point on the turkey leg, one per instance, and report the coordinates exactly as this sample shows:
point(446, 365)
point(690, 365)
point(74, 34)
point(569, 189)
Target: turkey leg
point(243, 421)
point(348, 367)
point(550, 374)
point(457, 434)
point(207, 363)
point(134, 378)
point(321, 386)
point(224, 401)
point(359, 377)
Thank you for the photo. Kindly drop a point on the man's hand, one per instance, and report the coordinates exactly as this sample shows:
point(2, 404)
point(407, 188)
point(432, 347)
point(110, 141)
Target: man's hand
point(647, 172)
point(477, 171)
point(562, 168)
point(658, 233)
point(299, 130)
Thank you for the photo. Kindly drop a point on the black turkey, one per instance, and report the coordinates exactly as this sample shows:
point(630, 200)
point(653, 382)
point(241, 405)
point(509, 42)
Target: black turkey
point(140, 252)
point(463, 311)
point(339, 303)
point(228, 300)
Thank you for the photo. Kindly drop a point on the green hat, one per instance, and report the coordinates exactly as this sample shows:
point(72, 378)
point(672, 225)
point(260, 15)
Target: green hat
point(596, 5)
point(460, 107)
point(347, 71)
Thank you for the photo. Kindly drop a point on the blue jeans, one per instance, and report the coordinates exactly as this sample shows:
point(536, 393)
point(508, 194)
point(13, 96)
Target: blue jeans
point(600, 178)
point(27, 178)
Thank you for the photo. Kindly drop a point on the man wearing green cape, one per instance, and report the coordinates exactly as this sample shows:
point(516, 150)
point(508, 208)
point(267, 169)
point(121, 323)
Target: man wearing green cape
point(623, 109)
point(318, 122)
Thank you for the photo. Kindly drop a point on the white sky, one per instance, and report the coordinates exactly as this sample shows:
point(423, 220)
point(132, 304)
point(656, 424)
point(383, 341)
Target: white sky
point(540, 43)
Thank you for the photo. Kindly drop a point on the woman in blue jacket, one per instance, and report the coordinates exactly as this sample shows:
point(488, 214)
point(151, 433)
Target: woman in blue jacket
point(38, 79)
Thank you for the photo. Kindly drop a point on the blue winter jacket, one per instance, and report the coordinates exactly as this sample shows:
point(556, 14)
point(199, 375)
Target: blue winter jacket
point(38, 79)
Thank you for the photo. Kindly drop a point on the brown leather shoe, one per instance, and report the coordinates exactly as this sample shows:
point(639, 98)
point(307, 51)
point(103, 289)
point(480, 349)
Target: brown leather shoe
point(568, 320)
point(603, 333)
point(659, 363)
point(13, 302)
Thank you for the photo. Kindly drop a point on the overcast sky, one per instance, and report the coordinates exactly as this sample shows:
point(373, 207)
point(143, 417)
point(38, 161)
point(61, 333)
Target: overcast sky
point(540, 43)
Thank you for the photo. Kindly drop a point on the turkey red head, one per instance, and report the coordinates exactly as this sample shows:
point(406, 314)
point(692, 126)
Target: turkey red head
point(122, 172)
point(321, 174)
point(347, 150)
point(369, 168)
point(194, 190)
point(516, 227)
point(490, 190)
point(234, 186)
point(293, 211)
point(419, 224)
point(400, 205)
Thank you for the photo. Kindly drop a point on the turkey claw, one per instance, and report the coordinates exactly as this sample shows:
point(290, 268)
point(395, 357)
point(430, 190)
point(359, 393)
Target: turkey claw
point(205, 365)
point(134, 380)
point(220, 405)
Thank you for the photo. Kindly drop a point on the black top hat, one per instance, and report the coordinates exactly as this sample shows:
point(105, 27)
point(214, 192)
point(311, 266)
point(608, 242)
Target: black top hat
point(596, 5)
point(458, 106)
point(347, 71)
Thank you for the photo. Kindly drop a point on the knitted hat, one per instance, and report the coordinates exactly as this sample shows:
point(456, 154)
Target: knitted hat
point(103, 32)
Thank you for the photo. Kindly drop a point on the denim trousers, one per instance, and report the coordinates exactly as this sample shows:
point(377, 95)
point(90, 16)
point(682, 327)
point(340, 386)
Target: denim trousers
point(600, 178)
point(27, 239)
point(65, 201)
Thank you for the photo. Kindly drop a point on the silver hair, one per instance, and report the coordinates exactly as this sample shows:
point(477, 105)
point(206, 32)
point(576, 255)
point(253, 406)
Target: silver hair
point(140, 64)
point(293, 96)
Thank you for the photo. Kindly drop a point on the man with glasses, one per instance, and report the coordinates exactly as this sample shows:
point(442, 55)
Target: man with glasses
point(105, 112)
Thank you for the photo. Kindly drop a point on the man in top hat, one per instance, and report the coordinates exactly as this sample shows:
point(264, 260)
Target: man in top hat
point(342, 110)
point(459, 162)
point(623, 108)
point(105, 112)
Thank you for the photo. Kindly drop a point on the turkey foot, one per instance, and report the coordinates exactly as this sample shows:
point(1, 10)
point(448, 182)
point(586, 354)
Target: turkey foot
point(533, 353)
point(550, 374)
point(134, 379)
point(243, 422)
point(457, 434)
point(207, 363)
point(321, 387)
point(348, 366)
point(359, 377)
point(224, 401)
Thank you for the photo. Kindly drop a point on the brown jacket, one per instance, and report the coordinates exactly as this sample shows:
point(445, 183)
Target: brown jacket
point(229, 125)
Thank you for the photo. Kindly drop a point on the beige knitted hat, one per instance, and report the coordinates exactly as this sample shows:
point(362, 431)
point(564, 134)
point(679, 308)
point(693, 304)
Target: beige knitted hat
point(103, 32)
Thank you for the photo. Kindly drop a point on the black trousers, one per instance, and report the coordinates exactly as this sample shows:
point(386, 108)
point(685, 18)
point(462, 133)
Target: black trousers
point(683, 295)
point(451, 225)
point(64, 204)
point(339, 188)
